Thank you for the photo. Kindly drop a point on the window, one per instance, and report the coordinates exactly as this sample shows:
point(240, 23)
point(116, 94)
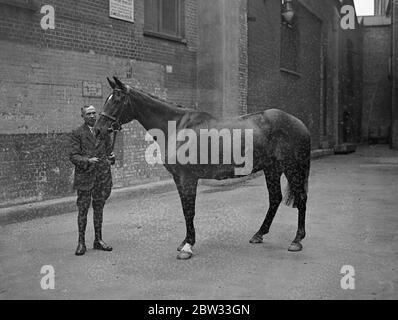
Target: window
point(164, 18)
point(289, 47)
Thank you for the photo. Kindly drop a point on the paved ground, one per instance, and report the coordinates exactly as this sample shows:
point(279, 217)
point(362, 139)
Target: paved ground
point(352, 219)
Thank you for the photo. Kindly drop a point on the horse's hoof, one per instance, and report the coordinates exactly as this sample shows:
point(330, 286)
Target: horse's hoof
point(184, 255)
point(256, 239)
point(295, 246)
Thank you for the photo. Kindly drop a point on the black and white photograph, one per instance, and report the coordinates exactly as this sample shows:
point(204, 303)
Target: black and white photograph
point(198, 155)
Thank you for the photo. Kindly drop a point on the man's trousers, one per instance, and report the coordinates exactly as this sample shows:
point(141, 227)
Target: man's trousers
point(98, 196)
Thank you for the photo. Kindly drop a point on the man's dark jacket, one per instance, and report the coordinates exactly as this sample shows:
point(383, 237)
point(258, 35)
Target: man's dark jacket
point(84, 146)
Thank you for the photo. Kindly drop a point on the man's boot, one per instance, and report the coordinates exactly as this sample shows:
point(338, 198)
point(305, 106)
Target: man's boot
point(81, 223)
point(99, 244)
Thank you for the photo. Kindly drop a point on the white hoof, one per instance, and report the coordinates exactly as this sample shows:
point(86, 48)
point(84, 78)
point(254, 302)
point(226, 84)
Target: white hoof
point(185, 253)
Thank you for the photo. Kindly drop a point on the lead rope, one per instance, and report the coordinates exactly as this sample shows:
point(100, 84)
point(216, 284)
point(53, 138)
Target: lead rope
point(113, 142)
point(115, 127)
point(114, 139)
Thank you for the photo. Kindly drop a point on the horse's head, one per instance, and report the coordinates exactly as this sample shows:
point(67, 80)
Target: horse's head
point(116, 110)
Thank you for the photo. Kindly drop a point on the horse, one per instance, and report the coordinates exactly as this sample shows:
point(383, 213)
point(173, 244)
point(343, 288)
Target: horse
point(279, 144)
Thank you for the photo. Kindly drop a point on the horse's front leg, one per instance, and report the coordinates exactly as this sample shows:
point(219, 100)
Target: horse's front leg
point(186, 187)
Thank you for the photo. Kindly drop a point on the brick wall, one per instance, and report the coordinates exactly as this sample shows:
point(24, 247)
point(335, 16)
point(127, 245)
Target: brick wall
point(351, 85)
point(41, 89)
point(313, 92)
point(377, 89)
point(394, 39)
point(85, 26)
point(228, 65)
point(33, 167)
point(243, 57)
point(269, 86)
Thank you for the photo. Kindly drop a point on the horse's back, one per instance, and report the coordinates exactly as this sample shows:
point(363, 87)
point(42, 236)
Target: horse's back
point(277, 136)
point(282, 119)
point(286, 137)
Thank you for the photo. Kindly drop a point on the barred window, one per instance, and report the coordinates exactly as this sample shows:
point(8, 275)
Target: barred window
point(164, 18)
point(289, 47)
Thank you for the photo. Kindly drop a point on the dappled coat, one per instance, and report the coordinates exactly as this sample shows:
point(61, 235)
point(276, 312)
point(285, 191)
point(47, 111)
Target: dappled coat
point(83, 146)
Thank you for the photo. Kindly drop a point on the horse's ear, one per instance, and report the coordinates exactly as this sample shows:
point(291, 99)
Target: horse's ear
point(111, 83)
point(120, 84)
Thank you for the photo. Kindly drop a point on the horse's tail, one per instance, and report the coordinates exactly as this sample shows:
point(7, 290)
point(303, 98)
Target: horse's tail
point(297, 185)
point(288, 197)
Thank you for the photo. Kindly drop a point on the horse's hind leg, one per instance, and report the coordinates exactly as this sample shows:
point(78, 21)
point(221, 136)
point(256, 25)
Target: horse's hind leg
point(300, 235)
point(273, 179)
point(298, 182)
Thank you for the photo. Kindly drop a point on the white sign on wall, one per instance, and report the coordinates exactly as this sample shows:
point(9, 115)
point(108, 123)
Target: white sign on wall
point(92, 89)
point(122, 9)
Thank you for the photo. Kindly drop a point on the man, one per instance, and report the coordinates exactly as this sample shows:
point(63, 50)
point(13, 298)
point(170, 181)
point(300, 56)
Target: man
point(93, 178)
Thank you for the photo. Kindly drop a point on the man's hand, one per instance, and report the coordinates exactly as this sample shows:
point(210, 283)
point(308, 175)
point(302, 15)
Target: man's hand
point(93, 160)
point(111, 159)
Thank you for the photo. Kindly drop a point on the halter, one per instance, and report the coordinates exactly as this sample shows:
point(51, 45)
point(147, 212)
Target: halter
point(115, 125)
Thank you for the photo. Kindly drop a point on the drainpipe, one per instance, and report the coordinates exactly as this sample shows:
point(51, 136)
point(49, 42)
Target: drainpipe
point(394, 111)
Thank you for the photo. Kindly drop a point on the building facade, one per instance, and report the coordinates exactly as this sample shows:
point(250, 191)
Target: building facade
point(380, 106)
point(48, 74)
point(393, 12)
point(226, 57)
point(377, 89)
point(306, 67)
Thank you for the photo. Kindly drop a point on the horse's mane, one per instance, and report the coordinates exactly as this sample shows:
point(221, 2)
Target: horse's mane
point(168, 103)
point(189, 116)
